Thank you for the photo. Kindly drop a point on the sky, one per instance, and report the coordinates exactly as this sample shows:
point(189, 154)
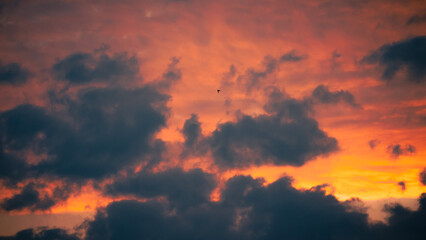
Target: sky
point(111, 125)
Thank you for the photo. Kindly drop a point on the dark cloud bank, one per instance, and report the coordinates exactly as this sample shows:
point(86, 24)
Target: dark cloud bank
point(13, 74)
point(407, 57)
point(90, 136)
point(247, 210)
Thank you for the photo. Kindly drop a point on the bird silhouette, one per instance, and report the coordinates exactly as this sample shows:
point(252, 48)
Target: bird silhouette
point(218, 90)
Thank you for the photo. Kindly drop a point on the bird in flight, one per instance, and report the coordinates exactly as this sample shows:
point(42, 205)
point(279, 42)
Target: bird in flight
point(218, 90)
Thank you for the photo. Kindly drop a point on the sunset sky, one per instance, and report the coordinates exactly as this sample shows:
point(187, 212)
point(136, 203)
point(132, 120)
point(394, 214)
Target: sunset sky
point(111, 125)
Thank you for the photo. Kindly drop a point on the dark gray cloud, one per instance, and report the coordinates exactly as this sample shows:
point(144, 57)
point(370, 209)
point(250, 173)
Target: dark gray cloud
point(279, 211)
point(172, 75)
point(13, 74)
point(92, 136)
point(402, 185)
point(81, 68)
point(373, 143)
point(185, 189)
point(323, 95)
point(416, 19)
point(89, 136)
point(131, 219)
point(250, 210)
point(247, 210)
point(191, 130)
point(406, 56)
point(397, 150)
point(31, 198)
point(194, 139)
point(252, 78)
point(292, 56)
point(228, 78)
point(42, 234)
point(100, 132)
point(405, 223)
point(422, 176)
point(286, 136)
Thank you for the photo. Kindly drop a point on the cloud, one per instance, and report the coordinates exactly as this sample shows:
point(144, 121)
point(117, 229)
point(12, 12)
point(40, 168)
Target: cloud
point(81, 68)
point(13, 74)
point(250, 210)
point(416, 19)
point(99, 133)
point(90, 135)
point(292, 56)
point(185, 189)
point(26, 198)
point(406, 56)
point(247, 209)
point(42, 234)
point(253, 78)
point(29, 197)
point(373, 143)
point(227, 78)
point(402, 185)
point(172, 75)
point(397, 150)
point(422, 176)
point(191, 130)
point(404, 222)
point(284, 136)
point(193, 137)
point(323, 95)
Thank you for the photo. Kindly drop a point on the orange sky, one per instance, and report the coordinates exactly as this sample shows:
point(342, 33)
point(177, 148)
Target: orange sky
point(208, 37)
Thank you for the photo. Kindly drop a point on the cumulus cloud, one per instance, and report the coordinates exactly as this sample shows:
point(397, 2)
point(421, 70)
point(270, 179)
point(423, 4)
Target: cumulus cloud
point(42, 234)
point(182, 188)
point(249, 210)
point(422, 176)
point(88, 136)
point(397, 150)
point(287, 135)
point(406, 56)
point(194, 143)
point(402, 185)
point(252, 78)
point(416, 19)
point(172, 75)
point(13, 74)
point(404, 222)
point(373, 143)
point(102, 131)
point(27, 197)
point(30, 197)
point(191, 130)
point(323, 95)
point(81, 68)
point(293, 56)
